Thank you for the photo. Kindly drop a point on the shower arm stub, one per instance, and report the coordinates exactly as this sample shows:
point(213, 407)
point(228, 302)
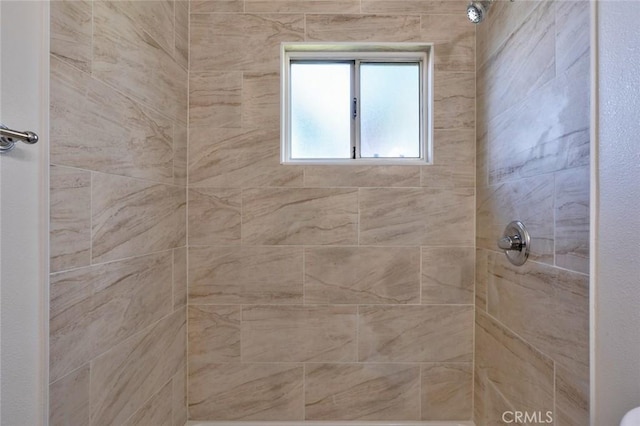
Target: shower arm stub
point(515, 242)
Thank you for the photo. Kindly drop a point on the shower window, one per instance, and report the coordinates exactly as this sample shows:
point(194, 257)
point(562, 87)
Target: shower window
point(347, 104)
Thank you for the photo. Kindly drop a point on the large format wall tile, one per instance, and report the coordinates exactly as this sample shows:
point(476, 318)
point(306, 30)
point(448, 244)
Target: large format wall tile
point(70, 218)
point(214, 216)
point(547, 306)
point(454, 41)
point(241, 42)
point(359, 176)
point(181, 42)
point(362, 275)
point(247, 392)
point(523, 63)
point(216, 6)
point(303, 6)
point(94, 127)
point(95, 308)
point(155, 17)
point(572, 35)
point(242, 275)
point(529, 201)
point(215, 99)
point(436, 7)
point(261, 100)
point(179, 402)
point(446, 391)
point(299, 333)
point(572, 395)
point(432, 333)
point(132, 217)
point(179, 277)
point(362, 28)
point(180, 153)
point(71, 22)
point(362, 392)
point(555, 135)
point(527, 383)
point(454, 163)
point(214, 335)
point(128, 58)
point(130, 373)
point(233, 158)
point(69, 399)
point(156, 411)
point(572, 219)
point(454, 100)
point(448, 275)
point(416, 216)
point(300, 216)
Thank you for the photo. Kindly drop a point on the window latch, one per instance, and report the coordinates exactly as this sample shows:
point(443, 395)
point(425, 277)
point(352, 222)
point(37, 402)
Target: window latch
point(355, 107)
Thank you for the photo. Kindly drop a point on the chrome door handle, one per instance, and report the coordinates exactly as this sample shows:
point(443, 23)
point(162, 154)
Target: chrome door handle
point(8, 138)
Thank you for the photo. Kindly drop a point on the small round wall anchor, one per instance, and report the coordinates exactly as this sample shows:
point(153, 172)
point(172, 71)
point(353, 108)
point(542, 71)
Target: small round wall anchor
point(515, 242)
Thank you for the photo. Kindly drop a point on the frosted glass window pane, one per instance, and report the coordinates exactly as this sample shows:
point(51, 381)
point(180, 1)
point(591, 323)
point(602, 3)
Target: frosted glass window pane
point(390, 110)
point(320, 110)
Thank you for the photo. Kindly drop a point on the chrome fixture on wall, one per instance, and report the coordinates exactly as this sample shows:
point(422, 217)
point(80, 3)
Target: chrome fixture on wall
point(8, 138)
point(515, 242)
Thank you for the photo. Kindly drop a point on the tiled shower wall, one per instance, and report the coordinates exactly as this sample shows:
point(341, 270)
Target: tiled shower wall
point(532, 323)
point(118, 212)
point(318, 292)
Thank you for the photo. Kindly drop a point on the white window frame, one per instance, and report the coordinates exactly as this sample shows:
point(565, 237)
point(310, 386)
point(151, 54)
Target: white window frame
point(422, 53)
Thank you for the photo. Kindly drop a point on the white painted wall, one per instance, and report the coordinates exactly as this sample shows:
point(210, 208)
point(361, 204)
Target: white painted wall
point(616, 213)
point(24, 105)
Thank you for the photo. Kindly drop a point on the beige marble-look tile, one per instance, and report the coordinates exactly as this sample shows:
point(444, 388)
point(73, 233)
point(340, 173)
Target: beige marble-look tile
point(551, 128)
point(179, 397)
point(454, 164)
point(454, 38)
point(180, 148)
point(215, 99)
point(293, 216)
point(130, 373)
point(548, 307)
point(214, 216)
point(243, 42)
point(515, 369)
point(415, 333)
point(416, 216)
point(94, 127)
point(359, 176)
point(216, 6)
point(181, 39)
point(95, 308)
point(489, 403)
point(521, 64)
point(71, 32)
point(448, 275)
point(249, 275)
point(214, 335)
point(235, 158)
point(572, 396)
point(572, 219)
point(529, 201)
point(353, 275)
point(247, 392)
point(413, 6)
point(131, 217)
point(362, 391)
point(70, 218)
point(446, 391)
point(572, 34)
point(303, 6)
point(155, 17)
point(454, 100)
point(299, 333)
point(179, 277)
point(260, 100)
point(482, 267)
point(125, 56)
point(155, 412)
point(362, 28)
point(69, 399)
